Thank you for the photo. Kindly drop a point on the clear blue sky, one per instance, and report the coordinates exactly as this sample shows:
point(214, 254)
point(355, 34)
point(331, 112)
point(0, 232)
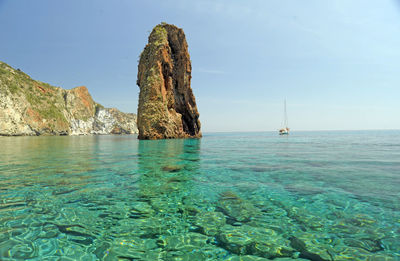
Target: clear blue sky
point(336, 62)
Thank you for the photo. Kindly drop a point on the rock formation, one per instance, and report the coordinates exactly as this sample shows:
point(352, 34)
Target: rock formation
point(29, 107)
point(167, 107)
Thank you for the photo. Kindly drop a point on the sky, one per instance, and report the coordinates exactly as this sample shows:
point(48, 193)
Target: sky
point(335, 62)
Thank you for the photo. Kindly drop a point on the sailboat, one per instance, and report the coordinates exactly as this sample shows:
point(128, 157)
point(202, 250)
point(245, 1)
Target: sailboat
point(285, 129)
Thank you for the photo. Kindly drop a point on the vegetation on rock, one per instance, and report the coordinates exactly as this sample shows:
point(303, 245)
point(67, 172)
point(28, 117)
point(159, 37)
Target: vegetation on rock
point(30, 107)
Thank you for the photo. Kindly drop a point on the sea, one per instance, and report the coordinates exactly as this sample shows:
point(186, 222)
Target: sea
point(326, 195)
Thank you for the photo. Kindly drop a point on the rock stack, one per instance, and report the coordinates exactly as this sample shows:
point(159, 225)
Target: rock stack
point(167, 107)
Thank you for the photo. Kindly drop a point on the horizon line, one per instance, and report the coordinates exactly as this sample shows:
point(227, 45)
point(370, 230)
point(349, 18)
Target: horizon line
point(303, 130)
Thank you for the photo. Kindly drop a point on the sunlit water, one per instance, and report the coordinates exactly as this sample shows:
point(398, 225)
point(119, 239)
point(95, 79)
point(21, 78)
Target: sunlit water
point(245, 196)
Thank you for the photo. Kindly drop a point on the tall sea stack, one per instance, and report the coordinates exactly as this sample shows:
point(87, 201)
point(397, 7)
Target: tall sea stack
point(167, 107)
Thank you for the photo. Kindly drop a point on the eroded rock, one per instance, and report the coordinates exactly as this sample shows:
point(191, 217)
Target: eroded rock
point(30, 107)
point(167, 107)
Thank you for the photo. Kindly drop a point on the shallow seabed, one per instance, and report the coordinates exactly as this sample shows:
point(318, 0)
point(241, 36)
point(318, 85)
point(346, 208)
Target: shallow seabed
point(243, 196)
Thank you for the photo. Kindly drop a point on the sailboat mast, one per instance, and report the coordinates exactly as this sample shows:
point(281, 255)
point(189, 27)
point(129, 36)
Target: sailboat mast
point(286, 119)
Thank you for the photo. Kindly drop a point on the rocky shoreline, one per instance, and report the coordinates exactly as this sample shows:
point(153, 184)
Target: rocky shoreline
point(31, 108)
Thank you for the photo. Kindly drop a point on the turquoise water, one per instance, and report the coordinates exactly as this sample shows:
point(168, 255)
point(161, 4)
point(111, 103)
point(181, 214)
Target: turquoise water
point(243, 196)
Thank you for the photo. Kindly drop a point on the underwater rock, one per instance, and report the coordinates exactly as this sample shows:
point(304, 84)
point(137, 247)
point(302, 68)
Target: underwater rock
point(72, 230)
point(235, 208)
point(343, 228)
point(210, 222)
point(271, 250)
point(183, 242)
point(133, 249)
point(304, 189)
point(352, 253)
point(371, 245)
point(167, 107)
point(381, 257)
point(185, 256)
point(146, 227)
point(214, 252)
point(193, 205)
point(171, 168)
point(248, 258)
point(258, 241)
point(178, 179)
point(306, 219)
point(141, 210)
point(391, 243)
point(360, 220)
point(102, 249)
point(235, 239)
point(78, 233)
point(312, 256)
point(269, 244)
point(300, 246)
point(290, 259)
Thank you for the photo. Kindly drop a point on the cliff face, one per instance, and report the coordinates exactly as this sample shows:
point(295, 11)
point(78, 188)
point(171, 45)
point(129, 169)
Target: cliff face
point(29, 107)
point(167, 107)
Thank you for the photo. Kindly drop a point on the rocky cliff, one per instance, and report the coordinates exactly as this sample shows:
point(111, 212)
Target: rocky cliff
point(167, 106)
point(29, 107)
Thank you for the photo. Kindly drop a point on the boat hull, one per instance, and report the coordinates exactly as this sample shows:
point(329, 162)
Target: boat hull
point(284, 131)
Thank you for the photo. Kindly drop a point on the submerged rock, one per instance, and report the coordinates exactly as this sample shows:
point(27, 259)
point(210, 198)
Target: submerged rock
point(257, 241)
point(301, 247)
point(210, 222)
point(371, 245)
point(167, 107)
point(134, 248)
point(183, 242)
point(141, 210)
point(235, 239)
point(237, 209)
point(247, 258)
point(171, 168)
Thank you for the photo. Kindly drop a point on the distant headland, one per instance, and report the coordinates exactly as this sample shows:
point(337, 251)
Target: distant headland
point(29, 107)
